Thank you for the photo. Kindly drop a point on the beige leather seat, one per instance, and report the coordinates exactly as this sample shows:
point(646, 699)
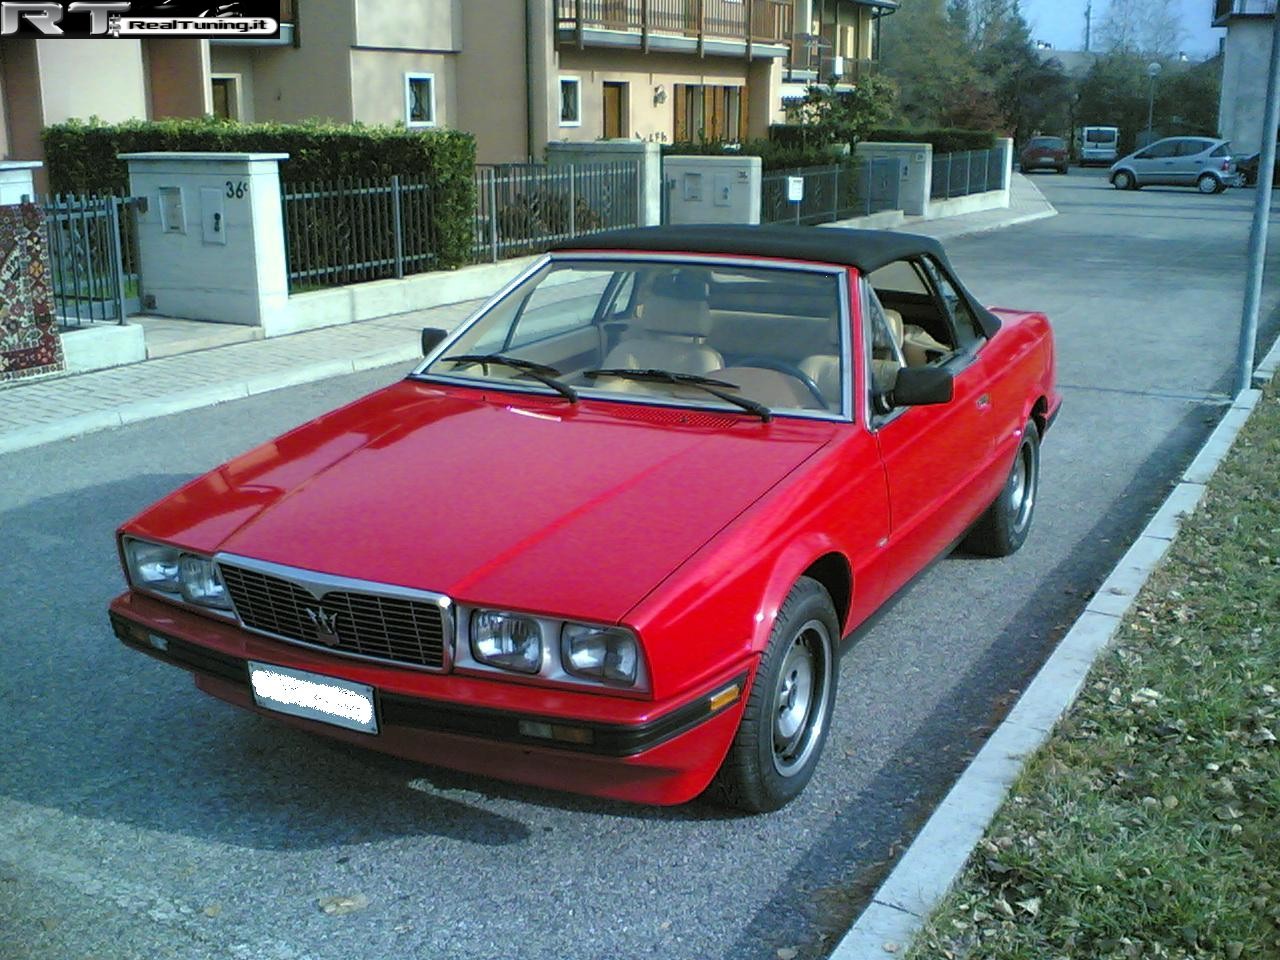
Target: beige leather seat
point(671, 328)
point(824, 369)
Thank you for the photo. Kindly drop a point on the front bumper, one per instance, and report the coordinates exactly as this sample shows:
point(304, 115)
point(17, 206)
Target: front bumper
point(624, 749)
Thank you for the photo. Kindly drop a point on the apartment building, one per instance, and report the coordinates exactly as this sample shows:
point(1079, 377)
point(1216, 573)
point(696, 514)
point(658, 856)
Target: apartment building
point(1246, 55)
point(516, 73)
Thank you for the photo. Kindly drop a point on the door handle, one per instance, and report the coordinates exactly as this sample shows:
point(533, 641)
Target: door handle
point(984, 401)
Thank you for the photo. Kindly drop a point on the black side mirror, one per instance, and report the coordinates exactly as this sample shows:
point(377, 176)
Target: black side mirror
point(432, 337)
point(922, 386)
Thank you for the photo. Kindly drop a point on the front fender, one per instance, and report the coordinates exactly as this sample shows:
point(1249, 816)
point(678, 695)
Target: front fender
point(790, 566)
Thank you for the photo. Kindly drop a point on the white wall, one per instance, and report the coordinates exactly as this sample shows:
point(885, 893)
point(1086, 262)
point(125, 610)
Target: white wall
point(1244, 83)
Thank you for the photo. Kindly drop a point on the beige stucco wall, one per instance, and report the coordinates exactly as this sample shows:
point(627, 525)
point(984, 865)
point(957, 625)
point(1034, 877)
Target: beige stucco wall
point(226, 60)
point(84, 78)
point(178, 77)
point(314, 79)
point(377, 84)
point(412, 24)
point(1244, 83)
point(645, 73)
point(493, 59)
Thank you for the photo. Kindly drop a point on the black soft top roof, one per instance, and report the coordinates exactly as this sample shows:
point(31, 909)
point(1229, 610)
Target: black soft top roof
point(867, 250)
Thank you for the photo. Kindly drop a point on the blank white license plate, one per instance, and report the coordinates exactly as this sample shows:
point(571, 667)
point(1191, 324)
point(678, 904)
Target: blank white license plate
point(313, 697)
point(1048, 161)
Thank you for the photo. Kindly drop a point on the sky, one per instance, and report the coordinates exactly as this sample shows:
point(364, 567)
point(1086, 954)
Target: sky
point(1061, 23)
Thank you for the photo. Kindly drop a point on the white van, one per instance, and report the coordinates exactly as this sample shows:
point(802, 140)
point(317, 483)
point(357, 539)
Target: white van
point(1098, 145)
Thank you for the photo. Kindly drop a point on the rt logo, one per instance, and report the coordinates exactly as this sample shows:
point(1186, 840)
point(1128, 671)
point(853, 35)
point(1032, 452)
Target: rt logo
point(45, 17)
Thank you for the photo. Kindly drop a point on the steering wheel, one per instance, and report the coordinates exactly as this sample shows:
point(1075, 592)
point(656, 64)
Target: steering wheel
point(790, 369)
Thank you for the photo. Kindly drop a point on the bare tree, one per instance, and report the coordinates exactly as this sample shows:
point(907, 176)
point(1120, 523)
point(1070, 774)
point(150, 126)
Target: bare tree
point(1149, 28)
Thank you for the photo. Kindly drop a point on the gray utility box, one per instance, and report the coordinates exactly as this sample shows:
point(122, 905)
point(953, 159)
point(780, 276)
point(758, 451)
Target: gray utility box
point(712, 189)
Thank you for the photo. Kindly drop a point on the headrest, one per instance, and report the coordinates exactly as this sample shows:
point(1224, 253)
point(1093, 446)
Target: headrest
point(683, 284)
point(676, 304)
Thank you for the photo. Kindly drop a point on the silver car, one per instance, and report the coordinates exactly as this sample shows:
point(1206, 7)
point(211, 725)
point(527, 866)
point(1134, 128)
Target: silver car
point(1200, 162)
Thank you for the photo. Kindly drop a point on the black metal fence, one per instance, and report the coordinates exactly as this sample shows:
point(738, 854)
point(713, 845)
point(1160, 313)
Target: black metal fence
point(970, 171)
point(523, 208)
point(352, 231)
point(854, 188)
point(93, 257)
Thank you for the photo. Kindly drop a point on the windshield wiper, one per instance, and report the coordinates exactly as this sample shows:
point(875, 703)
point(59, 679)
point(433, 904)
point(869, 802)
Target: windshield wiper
point(538, 371)
point(713, 387)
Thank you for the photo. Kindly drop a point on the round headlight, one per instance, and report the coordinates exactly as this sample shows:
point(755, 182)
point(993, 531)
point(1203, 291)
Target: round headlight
point(201, 583)
point(506, 640)
point(153, 566)
point(600, 653)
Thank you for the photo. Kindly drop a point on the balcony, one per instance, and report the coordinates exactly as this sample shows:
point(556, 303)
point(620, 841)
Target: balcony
point(1226, 10)
point(707, 27)
point(288, 31)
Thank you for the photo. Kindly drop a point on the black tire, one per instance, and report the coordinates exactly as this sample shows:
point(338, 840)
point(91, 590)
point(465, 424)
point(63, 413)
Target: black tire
point(1004, 527)
point(784, 725)
point(1064, 170)
point(1208, 183)
point(1124, 180)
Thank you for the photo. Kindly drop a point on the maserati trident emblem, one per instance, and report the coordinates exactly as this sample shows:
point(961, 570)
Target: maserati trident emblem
point(326, 625)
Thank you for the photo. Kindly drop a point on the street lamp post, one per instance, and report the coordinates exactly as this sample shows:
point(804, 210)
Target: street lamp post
point(1153, 71)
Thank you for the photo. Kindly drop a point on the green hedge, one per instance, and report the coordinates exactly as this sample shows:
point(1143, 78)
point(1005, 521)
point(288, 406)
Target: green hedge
point(773, 155)
point(82, 158)
point(947, 140)
point(795, 135)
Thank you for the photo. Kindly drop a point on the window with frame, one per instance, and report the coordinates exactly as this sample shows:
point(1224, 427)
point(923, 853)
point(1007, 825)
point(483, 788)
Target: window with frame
point(570, 102)
point(226, 98)
point(420, 99)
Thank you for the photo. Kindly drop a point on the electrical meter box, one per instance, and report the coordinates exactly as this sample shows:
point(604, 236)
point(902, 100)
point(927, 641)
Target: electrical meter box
point(712, 189)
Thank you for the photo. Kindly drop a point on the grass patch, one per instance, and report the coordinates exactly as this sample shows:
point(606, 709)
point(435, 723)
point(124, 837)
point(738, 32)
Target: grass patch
point(1149, 825)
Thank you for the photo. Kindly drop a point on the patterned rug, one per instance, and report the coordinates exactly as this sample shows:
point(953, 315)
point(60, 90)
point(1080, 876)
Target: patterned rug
point(29, 341)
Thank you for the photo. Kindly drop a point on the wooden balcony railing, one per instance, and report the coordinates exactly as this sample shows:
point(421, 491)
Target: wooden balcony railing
point(754, 21)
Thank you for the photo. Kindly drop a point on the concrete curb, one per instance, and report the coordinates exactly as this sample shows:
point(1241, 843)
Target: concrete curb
point(24, 439)
point(941, 849)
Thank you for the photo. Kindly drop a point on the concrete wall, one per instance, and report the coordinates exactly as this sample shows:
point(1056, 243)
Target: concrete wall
point(377, 84)
point(84, 78)
point(314, 79)
point(493, 33)
point(411, 24)
point(1244, 83)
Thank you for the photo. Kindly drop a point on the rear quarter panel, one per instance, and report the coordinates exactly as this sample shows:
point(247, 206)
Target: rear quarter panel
point(1022, 361)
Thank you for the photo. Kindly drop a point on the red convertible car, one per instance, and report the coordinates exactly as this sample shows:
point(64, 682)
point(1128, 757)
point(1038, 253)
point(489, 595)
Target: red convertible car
point(609, 536)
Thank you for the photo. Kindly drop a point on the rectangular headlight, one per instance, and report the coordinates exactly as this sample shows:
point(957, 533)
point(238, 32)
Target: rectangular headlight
point(506, 640)
point(607, 654)
point(201, 583)
point(153, 566)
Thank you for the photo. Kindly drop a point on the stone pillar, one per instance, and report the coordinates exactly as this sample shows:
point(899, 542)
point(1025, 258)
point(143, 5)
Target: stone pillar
point(212, 238)
point(17, 180)
point(1006, 144)
point(649, 155)
point(714, 189)
point(917, 172)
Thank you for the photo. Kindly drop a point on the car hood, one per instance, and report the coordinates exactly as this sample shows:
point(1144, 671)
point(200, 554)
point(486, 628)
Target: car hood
point(526, 503)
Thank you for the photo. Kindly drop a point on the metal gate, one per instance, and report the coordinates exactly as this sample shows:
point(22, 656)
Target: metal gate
point(93, 257)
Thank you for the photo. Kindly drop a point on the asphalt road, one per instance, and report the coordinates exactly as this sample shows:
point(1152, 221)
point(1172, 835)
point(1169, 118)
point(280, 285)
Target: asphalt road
point(141, 819)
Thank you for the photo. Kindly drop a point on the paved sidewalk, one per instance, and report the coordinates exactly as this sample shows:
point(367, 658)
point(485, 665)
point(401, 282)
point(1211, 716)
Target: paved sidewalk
point(45, 411)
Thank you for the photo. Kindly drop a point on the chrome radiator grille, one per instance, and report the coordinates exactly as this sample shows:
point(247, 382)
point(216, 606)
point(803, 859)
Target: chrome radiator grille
point(396, 629)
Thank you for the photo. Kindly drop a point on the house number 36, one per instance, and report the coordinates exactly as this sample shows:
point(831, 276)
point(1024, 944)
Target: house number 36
point(236, 191)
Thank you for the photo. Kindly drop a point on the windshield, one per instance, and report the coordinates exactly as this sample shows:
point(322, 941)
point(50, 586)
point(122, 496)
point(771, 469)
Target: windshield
point(770, 336)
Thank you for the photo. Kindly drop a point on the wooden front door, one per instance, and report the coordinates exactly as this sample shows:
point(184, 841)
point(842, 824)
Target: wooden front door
point(615, 110)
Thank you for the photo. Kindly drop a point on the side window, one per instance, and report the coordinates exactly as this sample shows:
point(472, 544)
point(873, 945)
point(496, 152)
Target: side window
point(1163, 149)
point(1221, 151)
point(560, 304)
point(917, 307)
point(965, 323)
point(882, 350)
